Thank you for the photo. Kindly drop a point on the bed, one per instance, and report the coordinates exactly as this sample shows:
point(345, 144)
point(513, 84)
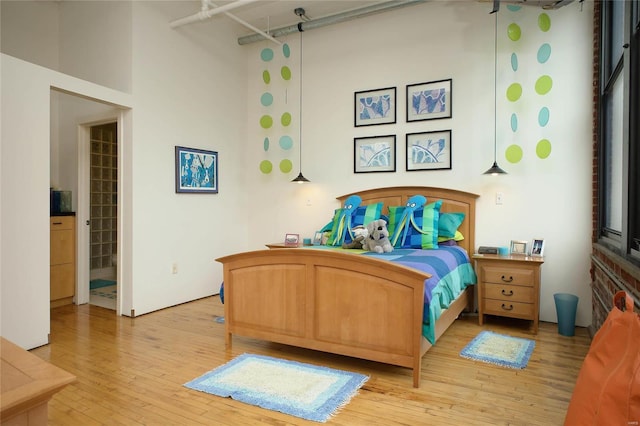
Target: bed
point(341, 302)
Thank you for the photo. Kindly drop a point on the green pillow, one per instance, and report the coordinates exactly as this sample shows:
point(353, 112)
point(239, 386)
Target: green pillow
point(448, 224)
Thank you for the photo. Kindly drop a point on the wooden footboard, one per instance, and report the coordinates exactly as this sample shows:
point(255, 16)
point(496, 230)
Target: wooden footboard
point(330, 301)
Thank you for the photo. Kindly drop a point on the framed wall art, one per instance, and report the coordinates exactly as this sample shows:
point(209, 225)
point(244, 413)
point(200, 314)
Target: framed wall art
point(429, 150)
point(196, 170)
point(429, 101)
point(373, 107)
point(374, 154)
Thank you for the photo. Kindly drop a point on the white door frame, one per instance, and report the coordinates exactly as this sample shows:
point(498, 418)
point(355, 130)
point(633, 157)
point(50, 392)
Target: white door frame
point(83, 214)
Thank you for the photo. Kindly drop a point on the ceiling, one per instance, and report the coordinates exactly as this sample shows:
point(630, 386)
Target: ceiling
point(270, 15)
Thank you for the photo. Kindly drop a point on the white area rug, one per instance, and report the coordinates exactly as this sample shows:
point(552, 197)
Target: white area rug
point(303, 390)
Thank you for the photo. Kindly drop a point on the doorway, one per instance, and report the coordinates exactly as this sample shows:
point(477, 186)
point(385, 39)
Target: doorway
point(103, 210)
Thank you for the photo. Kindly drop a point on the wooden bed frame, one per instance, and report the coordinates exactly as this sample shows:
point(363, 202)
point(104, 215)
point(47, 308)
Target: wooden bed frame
point(339, 302)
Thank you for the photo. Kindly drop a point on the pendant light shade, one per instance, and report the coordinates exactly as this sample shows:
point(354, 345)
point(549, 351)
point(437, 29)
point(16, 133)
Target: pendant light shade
point(300, 178)
point(495, 169)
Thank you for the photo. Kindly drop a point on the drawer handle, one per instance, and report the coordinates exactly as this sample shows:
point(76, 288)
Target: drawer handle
point(504, 293)
point(509, 308)
point(507, 281)
point(57, 223)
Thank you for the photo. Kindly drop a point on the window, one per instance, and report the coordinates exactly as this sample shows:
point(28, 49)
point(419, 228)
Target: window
point(619, 185)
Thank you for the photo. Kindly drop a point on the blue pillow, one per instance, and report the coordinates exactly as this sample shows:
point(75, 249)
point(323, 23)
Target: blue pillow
point(449, 224)
point(422, 233)
point(360, 217)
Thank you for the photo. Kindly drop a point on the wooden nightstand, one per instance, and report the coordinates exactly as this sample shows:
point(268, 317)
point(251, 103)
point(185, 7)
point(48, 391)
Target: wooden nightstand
point(509, 286)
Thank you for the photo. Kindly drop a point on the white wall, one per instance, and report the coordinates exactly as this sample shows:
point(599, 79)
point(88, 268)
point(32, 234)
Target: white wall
point(188, 89)
point(548, 199)
point(25, 101)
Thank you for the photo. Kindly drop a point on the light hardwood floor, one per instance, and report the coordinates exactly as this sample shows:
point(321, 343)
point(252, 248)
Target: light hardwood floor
point(131, 371)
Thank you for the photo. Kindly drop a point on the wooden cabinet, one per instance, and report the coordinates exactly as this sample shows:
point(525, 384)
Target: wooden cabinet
point(63, 260)
point(509, 286)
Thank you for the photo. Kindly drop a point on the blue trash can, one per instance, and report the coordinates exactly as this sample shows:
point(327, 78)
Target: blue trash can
point(566, 307)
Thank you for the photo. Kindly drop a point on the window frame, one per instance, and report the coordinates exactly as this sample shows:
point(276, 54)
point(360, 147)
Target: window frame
point(626, 67)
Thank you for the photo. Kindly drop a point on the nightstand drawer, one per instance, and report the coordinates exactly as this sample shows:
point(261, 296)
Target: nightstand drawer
point(509, 293)
point(508, 309)
point(513, 276)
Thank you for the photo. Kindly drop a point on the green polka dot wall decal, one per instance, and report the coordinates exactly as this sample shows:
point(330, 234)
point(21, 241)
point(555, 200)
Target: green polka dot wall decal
point(513, 7)
point(285, 119)
point(514, 122)
point(286, 50)
point(286, 142)
point(513, 154)
point(514, 62)
point(266, 121)
point(266, 99)
point(266, 54)
point(285, 72)
point(543, 116)
point(286, 166)
point(266, 166)
point(265, 144)
point(514, 32)
point(266, 77)
point(544, 22)
point(544, 52)
point(543, 85)
point(543, 149)
point(514, 91)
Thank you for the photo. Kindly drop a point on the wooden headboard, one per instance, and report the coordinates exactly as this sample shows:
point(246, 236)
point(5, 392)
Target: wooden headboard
point(452, 201)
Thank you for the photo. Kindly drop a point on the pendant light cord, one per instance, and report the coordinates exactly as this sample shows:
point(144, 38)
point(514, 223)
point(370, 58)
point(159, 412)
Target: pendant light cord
point(495, 90)
point(300, 97)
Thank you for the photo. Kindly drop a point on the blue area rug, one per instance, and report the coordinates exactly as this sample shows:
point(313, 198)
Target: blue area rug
point(498, 349)
point(98, 283)
point(302, 390)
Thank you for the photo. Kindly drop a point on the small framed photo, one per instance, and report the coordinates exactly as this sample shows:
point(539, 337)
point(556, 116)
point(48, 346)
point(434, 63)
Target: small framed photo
point(317, 239)
point(429, 101)
point(292, 240)
point(429, 150)
point(518, 247)
point(374, 154)
point(537, 247)
point(372, 107)
point(196, 170)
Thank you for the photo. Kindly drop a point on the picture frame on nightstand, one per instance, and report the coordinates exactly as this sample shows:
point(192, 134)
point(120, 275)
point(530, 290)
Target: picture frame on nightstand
point(537, 247)
point(292, 240)
point(518, 247)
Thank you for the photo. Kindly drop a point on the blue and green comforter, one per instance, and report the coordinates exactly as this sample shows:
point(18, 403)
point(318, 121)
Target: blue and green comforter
point(451, 272)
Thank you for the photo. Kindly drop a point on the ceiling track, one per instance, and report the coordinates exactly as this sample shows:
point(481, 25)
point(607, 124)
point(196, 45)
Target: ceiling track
point(330, 20)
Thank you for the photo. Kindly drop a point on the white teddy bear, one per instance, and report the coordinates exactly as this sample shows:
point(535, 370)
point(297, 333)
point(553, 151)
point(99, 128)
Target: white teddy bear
point(378, 239)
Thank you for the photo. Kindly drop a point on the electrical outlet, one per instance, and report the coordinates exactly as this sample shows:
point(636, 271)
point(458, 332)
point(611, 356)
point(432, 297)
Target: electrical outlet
point(308, 201)
point(174, 268)
point(499, 198)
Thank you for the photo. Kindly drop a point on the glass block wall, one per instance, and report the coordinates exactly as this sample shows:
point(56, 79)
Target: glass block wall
point(104, 195)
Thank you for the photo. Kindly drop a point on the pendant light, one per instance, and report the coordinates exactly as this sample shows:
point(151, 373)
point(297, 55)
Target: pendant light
point(300, 178)
point(495, 170)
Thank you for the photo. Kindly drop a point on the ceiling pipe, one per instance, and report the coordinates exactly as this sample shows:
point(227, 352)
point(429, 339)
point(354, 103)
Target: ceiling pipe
point(206, 14)
point(244, 23)
point(330, 20)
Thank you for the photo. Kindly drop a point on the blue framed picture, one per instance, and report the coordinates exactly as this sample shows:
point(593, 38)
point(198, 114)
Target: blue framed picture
point(374, 107)
point(196, 170)
point(429, 150)
point(429, 101)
